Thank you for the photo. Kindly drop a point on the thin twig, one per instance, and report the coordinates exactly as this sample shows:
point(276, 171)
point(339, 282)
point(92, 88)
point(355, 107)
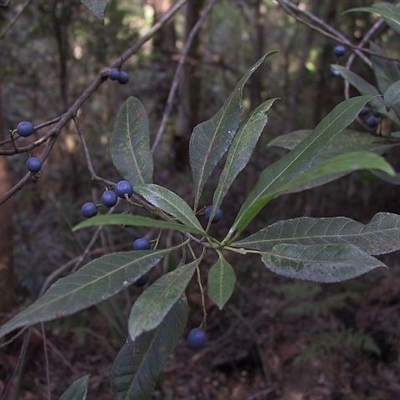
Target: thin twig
point(52, 135)
point(14, 20)
point(178, 72)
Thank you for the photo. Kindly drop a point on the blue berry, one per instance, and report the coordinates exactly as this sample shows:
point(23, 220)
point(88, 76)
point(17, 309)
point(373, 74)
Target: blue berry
point(89, 209)
point(217, 216)
point(339, 50)
point(376, 114)
point(334, 72)
point(25, 128)
point(196, 338)
point(372, 122)
point(113, 74)
point(109, 198)
point(123, 188)
point(141, 244)
point(34, 164)
point(123, 77)
point(142, 280)
point(364, 111)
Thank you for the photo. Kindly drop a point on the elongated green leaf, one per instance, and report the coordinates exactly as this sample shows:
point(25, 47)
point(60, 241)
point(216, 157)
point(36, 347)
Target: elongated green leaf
point(130, 143)
point(156, 301)
point(320, 263)
point(135, 220)
point(97, 7)
point(386, 71)
point(211, 139)
point(276, 178)
point(389, 12)
point(96, 281)
point(139, 363)
point(77, 390)
point(392, 95)
point(171, 203)
point(241, 149)
point(380, 236)
point(346, 142)
point(221, 282)
point(342, 164)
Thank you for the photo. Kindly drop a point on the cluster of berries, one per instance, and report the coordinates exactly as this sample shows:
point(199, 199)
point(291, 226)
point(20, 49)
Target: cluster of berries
point(116, 74)
point(371, 120)
point(339, 51)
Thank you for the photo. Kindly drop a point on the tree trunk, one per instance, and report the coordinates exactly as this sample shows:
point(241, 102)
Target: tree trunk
point(7, 291)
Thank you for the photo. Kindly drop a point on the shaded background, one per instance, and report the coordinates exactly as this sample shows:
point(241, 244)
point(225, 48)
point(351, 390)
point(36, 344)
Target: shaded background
point(276, 339)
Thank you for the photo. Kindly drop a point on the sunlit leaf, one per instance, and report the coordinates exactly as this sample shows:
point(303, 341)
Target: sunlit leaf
point(97, 7)
point(380, 236)
point(139, 363)
point(211, 139)
point(320, 263)
point(171, 203)
point(155, 302)
point(278, 177)
point(241, 149)
point(96, 281)
point(77, 390)
point(134, 220)
point(342, 164)
point(130, 143)
point(221, 282)
point(346, 142)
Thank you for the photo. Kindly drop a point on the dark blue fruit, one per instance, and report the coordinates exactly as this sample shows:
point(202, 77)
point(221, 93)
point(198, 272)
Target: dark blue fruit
point(339, 50)
point(141, 244)
point(372, 122)
point(25, 128)
point(376, 114)
point(34, 164)
point(113, 74)
point(142, 280)
point(89, 209)
point(364, 111)
point(123, 77)
point(334, 72)
point(109, 198)
point(217, 216)
point(196, 338)
point(123, 188)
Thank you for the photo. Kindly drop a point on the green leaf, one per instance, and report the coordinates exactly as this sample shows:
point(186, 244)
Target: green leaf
point(342, 164)
point(77, 390)
point(97, 7)
point(380, 236)
point(96, 281)
point(134, 220)
point(130, 143)
point(346, 142)
point(389, 12)
point(221, 282)
point(319, 263)
point(278, 177)
point(241, 149)
point(171, 203)
point(155, 302)
point(211, 139)
point(385, 70)
point(392, 95)
point(139, 363)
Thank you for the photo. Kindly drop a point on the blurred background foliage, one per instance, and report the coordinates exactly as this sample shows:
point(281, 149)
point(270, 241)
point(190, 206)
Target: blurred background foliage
point(56, 48)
